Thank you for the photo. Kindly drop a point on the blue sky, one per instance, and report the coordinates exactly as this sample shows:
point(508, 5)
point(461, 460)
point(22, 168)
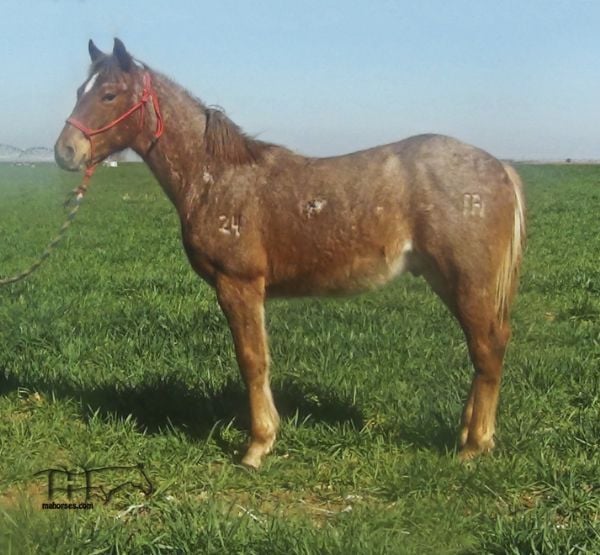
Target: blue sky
point(520, 79)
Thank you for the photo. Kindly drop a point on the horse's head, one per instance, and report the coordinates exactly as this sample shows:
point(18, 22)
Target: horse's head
point(109, 112)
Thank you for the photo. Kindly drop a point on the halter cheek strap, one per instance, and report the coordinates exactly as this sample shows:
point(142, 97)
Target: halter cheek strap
point(148, 93)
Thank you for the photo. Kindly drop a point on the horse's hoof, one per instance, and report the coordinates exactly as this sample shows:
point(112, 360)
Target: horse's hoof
point(469, 452)
point(252, 459)
point(250, 465)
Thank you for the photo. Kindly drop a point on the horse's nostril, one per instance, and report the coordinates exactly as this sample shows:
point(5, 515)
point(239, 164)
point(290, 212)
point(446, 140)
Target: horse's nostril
point(65, 155)
point(69, 152)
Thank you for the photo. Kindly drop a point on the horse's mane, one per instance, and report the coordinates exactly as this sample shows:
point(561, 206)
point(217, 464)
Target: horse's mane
point(226, 142)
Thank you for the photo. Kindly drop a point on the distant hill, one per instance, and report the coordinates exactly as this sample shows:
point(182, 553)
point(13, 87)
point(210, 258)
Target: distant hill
point(13, 154)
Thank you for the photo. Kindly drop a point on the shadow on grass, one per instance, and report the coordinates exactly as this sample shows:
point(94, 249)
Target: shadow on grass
point(433, 434)
point(171, 403)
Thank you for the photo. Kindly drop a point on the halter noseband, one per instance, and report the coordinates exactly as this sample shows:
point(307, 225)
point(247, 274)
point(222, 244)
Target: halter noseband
point(148, 93)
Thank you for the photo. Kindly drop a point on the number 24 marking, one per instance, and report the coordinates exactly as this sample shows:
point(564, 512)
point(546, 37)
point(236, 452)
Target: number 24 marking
point(230, 225)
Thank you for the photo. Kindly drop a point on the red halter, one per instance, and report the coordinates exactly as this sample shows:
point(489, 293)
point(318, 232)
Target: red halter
point(148, 93)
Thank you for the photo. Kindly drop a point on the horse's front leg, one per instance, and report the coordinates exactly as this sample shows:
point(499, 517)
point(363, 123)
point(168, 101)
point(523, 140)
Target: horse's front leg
point(242, 302)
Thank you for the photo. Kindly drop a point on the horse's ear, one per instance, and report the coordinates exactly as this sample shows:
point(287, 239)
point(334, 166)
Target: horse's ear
point(94, 51)
point(124, 58)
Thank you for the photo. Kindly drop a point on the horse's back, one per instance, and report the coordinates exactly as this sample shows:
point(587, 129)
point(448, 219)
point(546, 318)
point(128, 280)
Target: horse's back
point(425, 165)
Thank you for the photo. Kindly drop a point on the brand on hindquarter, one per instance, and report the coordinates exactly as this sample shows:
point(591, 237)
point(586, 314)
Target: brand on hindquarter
point(473, 205)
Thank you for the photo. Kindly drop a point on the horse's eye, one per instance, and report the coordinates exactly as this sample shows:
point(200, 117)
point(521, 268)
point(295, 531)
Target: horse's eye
point(109, 97)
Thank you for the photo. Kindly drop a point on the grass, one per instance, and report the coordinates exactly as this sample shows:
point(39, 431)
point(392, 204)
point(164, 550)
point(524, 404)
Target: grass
point(115, 352)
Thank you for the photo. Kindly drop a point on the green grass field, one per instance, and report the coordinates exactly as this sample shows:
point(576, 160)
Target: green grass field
point(115, 353)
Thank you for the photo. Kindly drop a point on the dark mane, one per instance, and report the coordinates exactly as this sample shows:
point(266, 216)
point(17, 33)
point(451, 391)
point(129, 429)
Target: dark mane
point(226, 142)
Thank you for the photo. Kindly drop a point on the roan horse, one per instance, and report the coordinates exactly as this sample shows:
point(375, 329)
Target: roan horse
point(258, 221)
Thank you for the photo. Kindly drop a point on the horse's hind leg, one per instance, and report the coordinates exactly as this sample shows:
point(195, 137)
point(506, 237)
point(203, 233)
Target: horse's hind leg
point(472, 303)
point(242, 301)
point(487, 338)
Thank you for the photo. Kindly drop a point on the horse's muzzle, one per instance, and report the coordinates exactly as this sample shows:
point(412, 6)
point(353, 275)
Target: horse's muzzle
point(68, 157)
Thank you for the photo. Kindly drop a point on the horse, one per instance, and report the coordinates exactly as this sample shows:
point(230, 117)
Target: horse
point(259, 221)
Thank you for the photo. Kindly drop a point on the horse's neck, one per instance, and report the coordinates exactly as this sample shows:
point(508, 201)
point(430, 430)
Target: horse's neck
point(175, 157)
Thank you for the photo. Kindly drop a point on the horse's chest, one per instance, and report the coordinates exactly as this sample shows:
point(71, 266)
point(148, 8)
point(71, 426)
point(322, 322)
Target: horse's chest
point(199, 259)
point(223, 241)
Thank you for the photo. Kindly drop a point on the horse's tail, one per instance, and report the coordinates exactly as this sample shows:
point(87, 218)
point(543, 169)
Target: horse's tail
point(509, 269)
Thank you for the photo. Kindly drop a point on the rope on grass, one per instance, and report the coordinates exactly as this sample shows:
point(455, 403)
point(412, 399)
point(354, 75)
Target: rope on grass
point(76, 199)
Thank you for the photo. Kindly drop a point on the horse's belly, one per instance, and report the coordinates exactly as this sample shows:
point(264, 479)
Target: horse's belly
point(345, 276)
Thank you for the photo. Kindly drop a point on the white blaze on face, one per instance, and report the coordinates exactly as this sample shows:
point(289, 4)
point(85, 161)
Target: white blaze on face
point(90, 84)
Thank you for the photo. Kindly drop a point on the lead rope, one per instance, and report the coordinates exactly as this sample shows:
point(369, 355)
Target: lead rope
point(75, 199)
point(148, 94)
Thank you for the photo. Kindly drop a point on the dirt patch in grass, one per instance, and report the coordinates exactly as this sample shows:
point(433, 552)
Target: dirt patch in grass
point(32, 493)
point(316, 506)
